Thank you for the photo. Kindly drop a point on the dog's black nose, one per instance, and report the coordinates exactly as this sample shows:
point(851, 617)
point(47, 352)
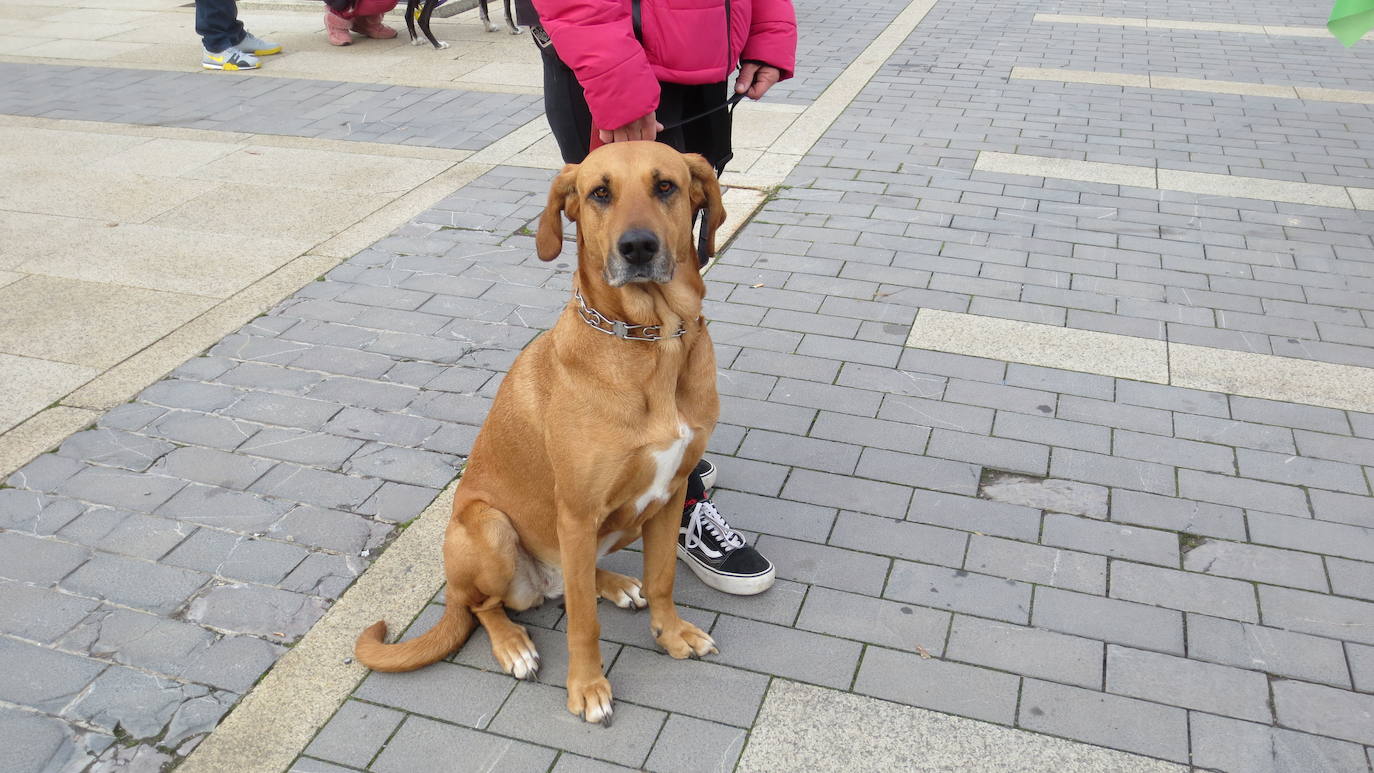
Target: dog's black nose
point(637, 245)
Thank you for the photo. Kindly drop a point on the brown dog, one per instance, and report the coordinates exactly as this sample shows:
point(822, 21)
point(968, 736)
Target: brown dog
point(592, 434)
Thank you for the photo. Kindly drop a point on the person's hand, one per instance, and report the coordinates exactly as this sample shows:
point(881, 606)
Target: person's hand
point(643, 128)
point(756, 78)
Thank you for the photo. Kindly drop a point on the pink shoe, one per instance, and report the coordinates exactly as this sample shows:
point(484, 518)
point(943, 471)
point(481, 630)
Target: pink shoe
point(337, 27)
point(372, 27)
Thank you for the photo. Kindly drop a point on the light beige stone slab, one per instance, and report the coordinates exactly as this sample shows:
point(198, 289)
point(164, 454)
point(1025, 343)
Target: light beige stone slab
point(78, 31)
point(162, 157)
point(87, 323)
point(275, 211)
point(1204, 26)
point(1049, 346)
point(1201, 26)
point(10, 277)
point(1066, 169)
point(32, 384)
point(42, 139)
point(755, 128)
point(1222, 87)
point(157, 257)
point(274, 722)
point(41, 432)
point(99, 16)
point(1318, 94)
point(91, 50)
point(17, 44)
point(1285, 379)
point(802, 728)
point(528, 74)
point(1296, 32)
point(1363, 197)
point(320, 170)
point(1111, 21)
point(1255, 188)
point(1080, 76)
point(57, 187)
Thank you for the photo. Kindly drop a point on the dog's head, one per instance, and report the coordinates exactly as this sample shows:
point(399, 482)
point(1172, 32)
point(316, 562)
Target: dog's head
point(633, 203)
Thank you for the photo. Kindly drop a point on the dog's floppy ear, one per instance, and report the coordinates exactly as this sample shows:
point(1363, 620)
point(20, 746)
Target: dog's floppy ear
point(706, 195)
point(562, 200)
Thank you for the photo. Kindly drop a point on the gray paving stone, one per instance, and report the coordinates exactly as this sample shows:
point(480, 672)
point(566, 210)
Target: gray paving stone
point(538, 713)
point(680, 746)
point(1119, 415)
point(846, 492)
point(1037, 564)
point(937, 684)
point(317, 487)
point(202, 429)
point(411, 750)
point(1122, 622)
point(38, 614)
point(899, 539)
point(144, 536)
point(1055, 432)
point(355, 733)
point(38, 561)
point(309, 448)
point(190, 395)
point(1308, 534)
point(117, 488)
point(891, 624)
point(138, 639)
point(1345, 508)
point(1172, 398)
point(45, 473)
point(959, 590)
point(920, 471)
point(1241, 492)
point(1351, 578)
point(93, 525)
point(799, 655)
point(573, 763)
point(1029, 651)
point(282, 410)
point(1361, 666)
point(113, 448)
point(1180, 515)
point(38, 742)
point(771, 515)
point(403, 465)
point(255, 609)
point(1283, 653)
point(233, 663)
point(1301, 471)
point(796, 451)
point(1106, 720)
point(41, 678)
point(993, 452)
point(1060, 496)
point(224, 508)
point(980, 515)
point(1178, 681)
point(1252, 562)
point(823, 564)
point(1263, 437)
point(656, 680)
point(138, 703)
point(1289, 415)
point(1324, 710)
point(140, 584)
point(935, 413)
point(1230, 744)
point(1317, 613)
point(1117, 541)
point(1113, 471)
point(212, 467)
point(1185, 591)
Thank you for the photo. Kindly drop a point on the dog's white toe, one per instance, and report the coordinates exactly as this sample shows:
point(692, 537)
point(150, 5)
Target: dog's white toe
point(442, 44)
point(636, 598)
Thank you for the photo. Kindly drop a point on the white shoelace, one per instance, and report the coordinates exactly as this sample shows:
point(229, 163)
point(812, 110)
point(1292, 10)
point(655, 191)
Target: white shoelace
point(705, 515)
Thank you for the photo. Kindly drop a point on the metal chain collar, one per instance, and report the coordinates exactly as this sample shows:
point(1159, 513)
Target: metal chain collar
point(618, 328)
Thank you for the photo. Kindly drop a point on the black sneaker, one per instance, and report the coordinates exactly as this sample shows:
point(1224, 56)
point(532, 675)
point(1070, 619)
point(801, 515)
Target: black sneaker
point(707, 471)
point(716, 553)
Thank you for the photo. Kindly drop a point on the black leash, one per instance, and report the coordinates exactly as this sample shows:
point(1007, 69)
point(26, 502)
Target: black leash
point(729, 104)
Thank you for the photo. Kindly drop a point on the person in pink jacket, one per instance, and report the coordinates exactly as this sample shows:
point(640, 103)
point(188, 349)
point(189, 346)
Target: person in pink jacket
point(617, 70)
point(343, 17)
point(623, 69)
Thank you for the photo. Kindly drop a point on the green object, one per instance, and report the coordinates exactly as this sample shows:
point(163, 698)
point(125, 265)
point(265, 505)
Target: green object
point(1350, 20)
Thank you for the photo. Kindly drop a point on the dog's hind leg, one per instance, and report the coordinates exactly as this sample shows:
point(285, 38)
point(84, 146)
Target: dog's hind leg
point(510, 19)
point(412, 16)
point(624, 592)
point(486, 17)
point(506, 576)
point(424, 24)
point(510, 643)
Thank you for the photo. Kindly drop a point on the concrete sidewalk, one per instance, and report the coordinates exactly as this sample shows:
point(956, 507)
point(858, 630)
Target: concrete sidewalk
point(1045, 382)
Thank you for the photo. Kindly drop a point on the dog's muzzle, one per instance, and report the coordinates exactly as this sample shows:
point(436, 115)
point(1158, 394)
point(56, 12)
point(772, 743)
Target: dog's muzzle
point(638, 256)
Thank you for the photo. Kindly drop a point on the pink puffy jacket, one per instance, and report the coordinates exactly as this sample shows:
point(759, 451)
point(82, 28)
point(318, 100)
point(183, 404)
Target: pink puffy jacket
point(684, 42)
point(366, 8)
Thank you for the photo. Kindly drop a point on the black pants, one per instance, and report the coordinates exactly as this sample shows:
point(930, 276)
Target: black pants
point(217, 22)
point(565, 105)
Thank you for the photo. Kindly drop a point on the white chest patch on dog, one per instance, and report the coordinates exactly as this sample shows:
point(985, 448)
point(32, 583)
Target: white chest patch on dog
point(666, 463)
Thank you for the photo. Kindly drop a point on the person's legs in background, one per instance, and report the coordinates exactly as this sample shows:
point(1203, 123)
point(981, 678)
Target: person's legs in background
point(715, 553)
point(227, 45)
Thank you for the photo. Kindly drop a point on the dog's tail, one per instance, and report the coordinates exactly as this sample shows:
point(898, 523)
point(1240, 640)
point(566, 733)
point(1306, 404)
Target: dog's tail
point(447, 635)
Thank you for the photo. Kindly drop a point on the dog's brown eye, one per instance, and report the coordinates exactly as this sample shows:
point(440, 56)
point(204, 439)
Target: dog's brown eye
point(666, 186)
point(601, 193)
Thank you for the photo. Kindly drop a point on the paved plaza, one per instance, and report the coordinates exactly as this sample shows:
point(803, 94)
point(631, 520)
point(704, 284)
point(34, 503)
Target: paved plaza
point(1046, 347)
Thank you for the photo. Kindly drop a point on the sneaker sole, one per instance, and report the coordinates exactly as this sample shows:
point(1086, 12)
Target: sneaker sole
point(708, 481)
point(209, 66)
point(735, 585)
point(265, 51)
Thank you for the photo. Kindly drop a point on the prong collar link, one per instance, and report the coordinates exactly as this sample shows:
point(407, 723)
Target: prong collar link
point(620, 329)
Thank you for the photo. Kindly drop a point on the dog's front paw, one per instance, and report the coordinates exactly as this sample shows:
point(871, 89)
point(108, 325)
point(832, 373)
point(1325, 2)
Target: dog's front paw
point(416, 41)
point(441, 44)
point(591, 700)
point(684, 640)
